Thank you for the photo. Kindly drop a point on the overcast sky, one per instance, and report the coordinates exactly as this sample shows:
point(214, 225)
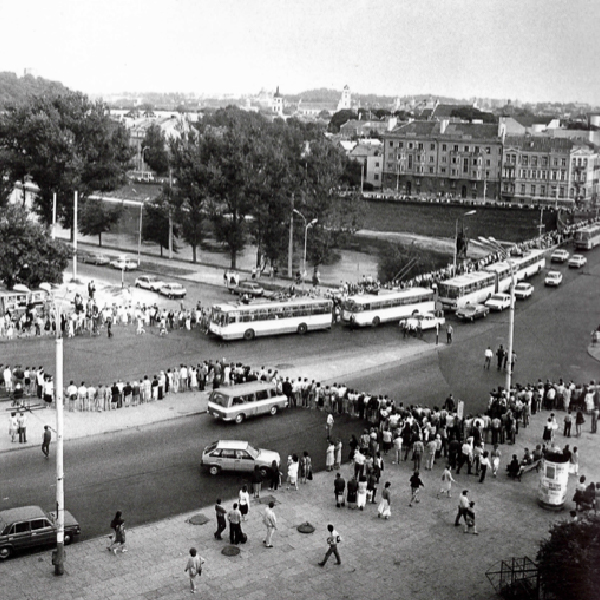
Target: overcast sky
point(526, 49)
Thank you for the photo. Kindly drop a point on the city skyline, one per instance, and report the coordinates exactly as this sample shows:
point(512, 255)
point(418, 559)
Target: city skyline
point(534, 51)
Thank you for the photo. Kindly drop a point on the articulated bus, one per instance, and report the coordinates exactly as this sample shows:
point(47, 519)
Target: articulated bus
point(247, 321)
point(474, 287)
point(370, 310)
point(531, 263)
point(588, 237)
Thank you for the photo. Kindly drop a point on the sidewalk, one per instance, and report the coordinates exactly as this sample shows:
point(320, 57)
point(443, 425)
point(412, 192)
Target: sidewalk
point(418, 554)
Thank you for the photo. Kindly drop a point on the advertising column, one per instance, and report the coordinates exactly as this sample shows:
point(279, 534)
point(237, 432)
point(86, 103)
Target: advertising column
point(554, 479)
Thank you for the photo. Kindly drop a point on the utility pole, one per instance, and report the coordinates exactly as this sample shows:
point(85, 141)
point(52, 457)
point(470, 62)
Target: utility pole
point(75, 239)
point(170, 216)
point(59, 565)
point(53, 230)
point(511, 330)
point(291, 242)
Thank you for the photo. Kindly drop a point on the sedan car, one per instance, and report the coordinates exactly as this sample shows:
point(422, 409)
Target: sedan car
point(498, 301)
point(95, 259)
point(173, 290)
point(238, 456)
point(553, 278)
point(470, 312)
point(577, 261)
point(149, 282)
point(427, 321)
point(29, 527)
point(247, 288)
point(559, 256)
point(124, 263)
point(523, 290)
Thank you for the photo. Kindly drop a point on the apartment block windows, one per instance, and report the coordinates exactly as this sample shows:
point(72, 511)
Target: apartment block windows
point(563, 162)
point(555, 162)
point(533, 190)
point(534, 161)
point(443, 147)
point(488, 162)
point(561, 192)
point(431, 169)
point(410, 162)
point(410, 145)
point(553, 191)
point(525, 160)
point(543, 190)
point(432, 147)
point(444, 159)
point(585, 162)
point(431, 159)
point(544, 161)
point(400, 144)
point(453, 172)
point(455, 147)
point(391, 143)
point(420, 146)
point(522, 189)
point(488, 150)
point(466, 148)
point(476, 149)
point(465, 165)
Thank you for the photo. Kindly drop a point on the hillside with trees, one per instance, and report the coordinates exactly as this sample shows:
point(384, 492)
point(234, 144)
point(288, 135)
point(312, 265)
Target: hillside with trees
point(18, 91)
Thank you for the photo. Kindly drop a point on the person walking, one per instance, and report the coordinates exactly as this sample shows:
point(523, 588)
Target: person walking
point(13, 427)
point(330, 457)
point(194, 568)
point(568, 420)
point(447, 480)
point(22, 427)
point(256, 481)
point(470, 524)
point(449, 331)
point(46, 438)
point(333, 539)
point(220, 513)
point(244, 499)
point(463, 505)
point(329, 426)
point(271, 523)
point(385, 506)
point(579, 421)
point(487, 358)
point(118, 525)
point(484, 464)
point(275, 477)
point(415, 484)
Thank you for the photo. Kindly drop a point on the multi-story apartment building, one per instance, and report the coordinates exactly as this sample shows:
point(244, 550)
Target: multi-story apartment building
point(546, 170)
point(430, 158)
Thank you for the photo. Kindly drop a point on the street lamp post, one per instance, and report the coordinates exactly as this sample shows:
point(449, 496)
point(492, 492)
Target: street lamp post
point(306, 226)
point(467, 214)
point(511, 329)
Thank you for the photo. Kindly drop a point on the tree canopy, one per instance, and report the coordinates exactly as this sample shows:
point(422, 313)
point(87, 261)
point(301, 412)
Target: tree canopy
point(28, 255)
point(64, 143)
point(155, 153)
point(95, 218)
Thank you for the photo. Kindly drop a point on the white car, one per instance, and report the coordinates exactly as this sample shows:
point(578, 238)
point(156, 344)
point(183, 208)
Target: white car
point(149, 282)
point(523, 290)
point(239, 456)
point(125, 263)
point(427, 321)
point(559, 256)
point(577, 261)
point(498, 301)
point(553, 278)
point(173, 290)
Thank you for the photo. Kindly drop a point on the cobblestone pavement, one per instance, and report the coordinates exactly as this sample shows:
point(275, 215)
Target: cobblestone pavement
point(417, 554)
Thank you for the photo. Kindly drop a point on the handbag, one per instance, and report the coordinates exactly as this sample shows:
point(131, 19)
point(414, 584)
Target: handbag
point(310, 475)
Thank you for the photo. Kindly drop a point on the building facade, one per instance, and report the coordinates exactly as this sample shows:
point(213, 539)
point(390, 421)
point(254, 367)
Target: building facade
point(441, 159)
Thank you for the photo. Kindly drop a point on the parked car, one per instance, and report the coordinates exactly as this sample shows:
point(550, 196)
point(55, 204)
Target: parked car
point(559, 256)
point(28, 527)
point(149, 282)
point(498, 301)
point(238, 456)
point(248, 288)
point(553, 278)
point(427, 321)
point(173, 290)
point(125, 263)
point(95, 258)
point(577, 261)
point(523, 290)
point(470, 312)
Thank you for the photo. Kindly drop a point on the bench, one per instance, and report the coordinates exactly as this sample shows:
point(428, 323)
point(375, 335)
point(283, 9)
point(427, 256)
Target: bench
point(535, 465)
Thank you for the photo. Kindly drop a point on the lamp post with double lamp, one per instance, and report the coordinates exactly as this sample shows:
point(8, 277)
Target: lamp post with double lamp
point(467, 214)
point(306, 226)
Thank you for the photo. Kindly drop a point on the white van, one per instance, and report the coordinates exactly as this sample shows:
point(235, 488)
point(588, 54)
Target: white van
point(239, 402)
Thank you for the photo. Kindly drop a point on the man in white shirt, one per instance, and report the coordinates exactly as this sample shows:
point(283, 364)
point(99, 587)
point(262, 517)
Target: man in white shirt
point(81, 397)
point(72, 396)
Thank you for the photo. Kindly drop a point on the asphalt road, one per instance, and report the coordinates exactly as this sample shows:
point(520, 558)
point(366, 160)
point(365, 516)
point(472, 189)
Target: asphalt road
point(155, 473)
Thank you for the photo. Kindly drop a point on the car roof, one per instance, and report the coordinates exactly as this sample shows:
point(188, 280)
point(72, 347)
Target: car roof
point(245, 388)
point(21, 513)
point(235, 444)
point(554, 273)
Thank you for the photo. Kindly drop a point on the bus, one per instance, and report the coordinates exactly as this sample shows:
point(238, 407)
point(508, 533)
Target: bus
point(474, 287)
point(239, 402)
point(236, 321)
point(588, 237)
point(531, 263)
point(365, 310)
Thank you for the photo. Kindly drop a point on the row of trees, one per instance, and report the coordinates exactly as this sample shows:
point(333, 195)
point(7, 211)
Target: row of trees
point(241, 176)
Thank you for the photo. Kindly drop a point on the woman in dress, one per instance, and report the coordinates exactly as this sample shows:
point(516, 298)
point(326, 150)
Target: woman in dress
point(361, 499)
point(293, 468)
point(338, 454)
point(275, 477)
point(244, 501)
point(447, 480)
point(329, 458)
point(574, 462)
point(193, 568)
point(193, 379)
point(415, 484)
point(118, 525)
point(385, 506)
point(305, 468)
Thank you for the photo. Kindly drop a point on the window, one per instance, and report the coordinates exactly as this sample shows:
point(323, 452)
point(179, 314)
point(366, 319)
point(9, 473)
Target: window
point(488, 162)
point(391, 143)
point(474, 174)
point(431, 159)
point(585, 162)
point(410, 162)
point(533, 190)
point(554, 175)
point(487, 174)
point(465, 165)
point(410, 145)
point(432, 147)
point(563, 162)
point(525, 160)
point(420, 146)
point(523, 189)
point(543, 190)
point(563, 175)
point(572, 193)
point(443, 170)
point(22, 527)
point(476, 149)
point(466, 148)
point(38, 524)
point(553, 191)
point(228, 453)
point(453, 172)
point(454, 160)
point(377, 164)
point(488, 150)
point(444, 159)
point(455, 147)
point(376, 176)
point(474, 162)
point(443, 147)
point(555, 162)
point(431, 169)
point(534, 161)
point(561, 192)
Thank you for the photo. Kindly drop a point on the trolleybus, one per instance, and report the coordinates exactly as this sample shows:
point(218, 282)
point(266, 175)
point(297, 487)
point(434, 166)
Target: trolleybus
point(588, 237)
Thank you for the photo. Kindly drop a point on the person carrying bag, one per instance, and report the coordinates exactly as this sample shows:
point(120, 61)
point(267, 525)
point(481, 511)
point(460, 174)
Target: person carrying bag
point(194, 568)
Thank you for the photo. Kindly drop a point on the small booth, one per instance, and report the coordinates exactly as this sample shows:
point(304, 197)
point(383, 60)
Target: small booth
point(554, 480)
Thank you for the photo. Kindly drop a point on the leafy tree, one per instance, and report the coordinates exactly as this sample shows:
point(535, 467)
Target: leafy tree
point(95, 218)
point(155, 227)
point(399, 262)
point(339, 118)
point(65, 143)
point(28, 255)
point(156, 154)
point(569, 561)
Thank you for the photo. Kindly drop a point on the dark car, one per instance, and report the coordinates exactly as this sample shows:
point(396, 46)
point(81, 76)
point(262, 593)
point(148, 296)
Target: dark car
point(470, 312)
point(247, 288)
point(30, 527)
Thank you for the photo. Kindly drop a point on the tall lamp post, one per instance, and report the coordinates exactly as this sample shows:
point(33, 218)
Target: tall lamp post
point(306, 226)
point(467, 214)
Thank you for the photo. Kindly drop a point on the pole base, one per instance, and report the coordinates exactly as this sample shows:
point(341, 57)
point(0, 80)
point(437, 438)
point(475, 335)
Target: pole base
point(551, 507)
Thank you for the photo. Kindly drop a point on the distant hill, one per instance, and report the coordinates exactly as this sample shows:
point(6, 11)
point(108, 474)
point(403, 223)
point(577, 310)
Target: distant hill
point(17, 90)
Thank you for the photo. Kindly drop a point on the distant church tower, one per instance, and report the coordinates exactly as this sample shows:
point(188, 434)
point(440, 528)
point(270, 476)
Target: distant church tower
point(345, 102)
point(277, 102)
